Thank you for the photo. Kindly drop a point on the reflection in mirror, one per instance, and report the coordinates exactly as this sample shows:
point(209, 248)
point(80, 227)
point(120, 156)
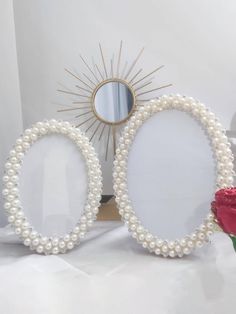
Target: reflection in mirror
point(113, 102)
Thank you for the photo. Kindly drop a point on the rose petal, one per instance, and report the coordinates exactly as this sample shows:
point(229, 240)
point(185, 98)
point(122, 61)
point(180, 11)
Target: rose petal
point(226, 216)
point(226, 196)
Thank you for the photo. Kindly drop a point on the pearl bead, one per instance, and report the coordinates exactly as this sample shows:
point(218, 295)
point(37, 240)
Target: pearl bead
point(172, 253)
point(199, 244)
point(152, 244)
point(33, 235)
point(186, 250)
point(44, 240)
point(55, 250)
point(11, 219)
point(17, 231)
point(62, 244)
point(25, 233)
point(39, 249)
point(159, 242)
point(55, 241)
point(27, 242)
point(164, 248)
point(70, 245)
point(35, 242)
point(178, 248)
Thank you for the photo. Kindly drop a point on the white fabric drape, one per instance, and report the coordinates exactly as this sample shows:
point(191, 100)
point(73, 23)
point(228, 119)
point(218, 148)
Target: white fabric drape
point(111, 273)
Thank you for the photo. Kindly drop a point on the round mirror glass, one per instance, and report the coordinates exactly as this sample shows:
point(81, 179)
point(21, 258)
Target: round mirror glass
point(113, 102)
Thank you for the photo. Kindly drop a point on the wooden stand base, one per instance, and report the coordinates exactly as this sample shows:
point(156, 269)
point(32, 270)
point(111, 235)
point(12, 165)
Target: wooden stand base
point(108, 211)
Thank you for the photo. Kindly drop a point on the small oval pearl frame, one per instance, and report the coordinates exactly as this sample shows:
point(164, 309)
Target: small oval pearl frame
point(12, 205)
point(224, 160)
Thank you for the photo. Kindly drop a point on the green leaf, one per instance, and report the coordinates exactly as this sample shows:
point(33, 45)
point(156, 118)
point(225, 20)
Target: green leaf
point(233, 238)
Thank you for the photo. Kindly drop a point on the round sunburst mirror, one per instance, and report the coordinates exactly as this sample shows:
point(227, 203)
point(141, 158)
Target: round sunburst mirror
point(107, 94)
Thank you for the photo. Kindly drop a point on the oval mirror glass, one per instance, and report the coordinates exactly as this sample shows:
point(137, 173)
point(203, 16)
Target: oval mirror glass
point(53, 185)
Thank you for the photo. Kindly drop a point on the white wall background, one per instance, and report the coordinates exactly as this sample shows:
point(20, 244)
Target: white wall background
point(195, 39)
point(10, 106)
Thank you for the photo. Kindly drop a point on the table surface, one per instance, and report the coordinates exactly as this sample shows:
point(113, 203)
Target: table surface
point(110, 273)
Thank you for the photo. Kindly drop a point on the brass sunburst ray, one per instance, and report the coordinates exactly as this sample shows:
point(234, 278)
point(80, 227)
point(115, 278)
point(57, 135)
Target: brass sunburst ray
point(85, 121)
point(90, 126)
point(72, 109)
point(89, 79)
point(72, 93)
point(90, 70)
point(144, 77)
point(154, 89)
point(108, 139)
point(119, 59)
point(78, 78)
point(104, 126)
point(103, 60)
point(83, 89)
point(83, 114)
point(95, 131)
point(133, 64)
point(135, 75)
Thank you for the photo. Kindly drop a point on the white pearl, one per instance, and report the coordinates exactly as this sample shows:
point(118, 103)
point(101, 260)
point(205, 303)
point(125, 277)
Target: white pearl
point(141, 237)
point(18, 230)
point(172, 253)
point(55, 241)
point(13, 210)
point(48, 246)
point(25, 233)
point(70, 245)
point(33, 235)
point(39, 249)
point(55, 250)
point(164, 248)
point(152, 244)
point(199, 244)
point(74, 237)
point(35, 242)
point(178, 248)
point(159, 242)
point(44, 240)
point(27, 242)
point(62, 244)
point(11, 219)
point(186, 250)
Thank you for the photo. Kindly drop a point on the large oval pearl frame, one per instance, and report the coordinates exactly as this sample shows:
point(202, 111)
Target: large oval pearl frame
point(12, 205)
point(222, 154)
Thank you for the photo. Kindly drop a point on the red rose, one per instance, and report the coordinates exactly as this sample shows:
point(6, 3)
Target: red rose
point(224, 208)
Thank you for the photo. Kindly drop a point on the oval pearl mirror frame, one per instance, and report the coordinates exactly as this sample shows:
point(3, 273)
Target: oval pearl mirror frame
point(12, 205)
point(224, 161)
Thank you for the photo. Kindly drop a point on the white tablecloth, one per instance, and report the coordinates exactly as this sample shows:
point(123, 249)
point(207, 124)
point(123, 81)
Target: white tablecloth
point(110, 273)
